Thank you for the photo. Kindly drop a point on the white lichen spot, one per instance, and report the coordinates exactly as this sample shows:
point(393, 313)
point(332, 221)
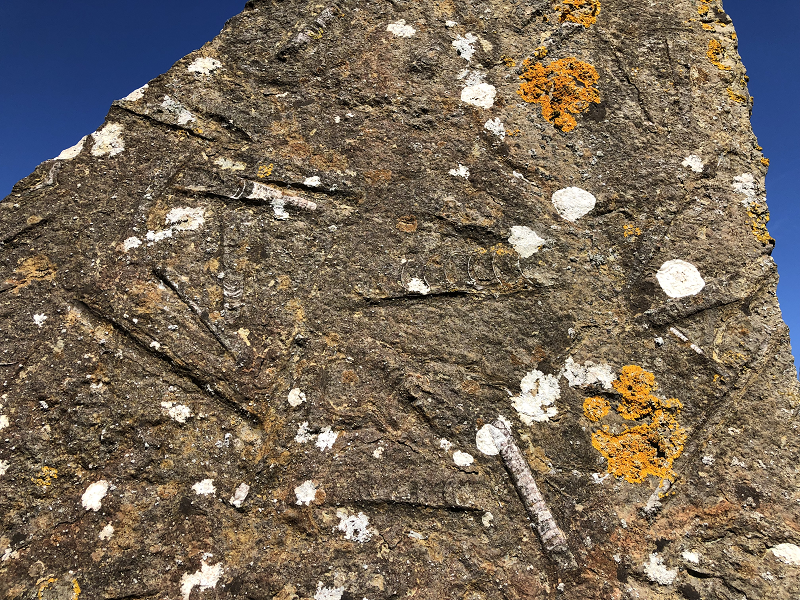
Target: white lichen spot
point(177, 412)
point(324, 593)
point(206, 578)
point(106, 532)
point(400, 29)
point(155, 344)
point(418, 286)
point(539, 393)
point(465, 46)
point(108, 140)
point(157, 236)
point(296, 398)
point(92, 498)
point(485, 442)
point(136, 94)
point(356, 527)
point(204, 65)
point(572, 203)
point(240, 495)
point(72, 151)
point(378, 452)
point(39, 319)
point(657, 572)
point(481, 95)
point(186, 218)
point(487, 519)
point(178, 110)
point(305, 493)
point(693, 162)
point(326, 439)
point(462, 459)
point(787, 553)
point(314, 181)
point(691, 557)
point(226, 164)
point(461, 171)
point(131, 243)
point(599, 479)
point(525, 241)
point(304, 435)
point(588, 373)
point(204, 488)
point(445, 445)
point(4, 464)
point(679, 279)
point(745, 184)
point(4, 421)
point(450, 24)
point(496, 127)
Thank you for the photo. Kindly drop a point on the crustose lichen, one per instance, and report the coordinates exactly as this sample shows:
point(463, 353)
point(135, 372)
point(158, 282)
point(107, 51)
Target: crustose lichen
point(563, 88)
point(584, 12)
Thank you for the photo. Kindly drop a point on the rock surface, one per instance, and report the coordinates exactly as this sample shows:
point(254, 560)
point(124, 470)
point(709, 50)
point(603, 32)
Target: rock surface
point(252, 325)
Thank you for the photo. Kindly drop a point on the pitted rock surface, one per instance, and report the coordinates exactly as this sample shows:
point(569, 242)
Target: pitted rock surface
point(251, 326)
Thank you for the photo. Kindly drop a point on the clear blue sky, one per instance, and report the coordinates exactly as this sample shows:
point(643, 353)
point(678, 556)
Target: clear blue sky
point(62, 63)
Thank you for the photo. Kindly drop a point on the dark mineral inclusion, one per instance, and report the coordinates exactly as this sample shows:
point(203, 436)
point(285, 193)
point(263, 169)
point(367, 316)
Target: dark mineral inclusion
point(254, 327)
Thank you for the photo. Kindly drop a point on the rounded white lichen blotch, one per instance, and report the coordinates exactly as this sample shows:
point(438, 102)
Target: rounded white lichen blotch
point(4, 421)
point(461, 171)
point(4, 464)
point(204, 65)
point(679, 279)
point(72, 151)
point(525, 241)
point(131, 243)
point(588, 373)
point(326, 439)
point(539, 393)
point(204, 488)
point(314, 181)
point(296, 398)
point(496, 127)
point(480, 94)
point(240, 495)
point(484, 441)
point(400, 29)
point(177, 412)
point(657, 572)
point(206, 578)
point(186, 218)
point(573, 202)
point(745, 184)
point(465, 46)
point(355, 527)
point(462, 459)
point(92, 498)
point(418, 286)
point(693, 162)
point(106, 532)
point(39, 319)
point(787, 553)
point(108, 140)
point(305, 493)
point(324, 593)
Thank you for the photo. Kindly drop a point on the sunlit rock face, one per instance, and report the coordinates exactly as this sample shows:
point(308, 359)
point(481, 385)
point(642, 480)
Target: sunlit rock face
point(256, 325)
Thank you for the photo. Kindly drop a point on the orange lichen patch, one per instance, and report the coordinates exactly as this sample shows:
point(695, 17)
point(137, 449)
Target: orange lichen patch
point(765, 162)
point(648, 448)
point(760, 216)
point(265, 170)
point(562, 88)
point(708, 26)
point(740, 98)
point(595, 408)
point(76, 589)
point(630, 229)
point(702, 9)
point(35, 268)
point(584, 12)
point(715, 55)
point(47, 476)
point(513, 132)
point(508, 61)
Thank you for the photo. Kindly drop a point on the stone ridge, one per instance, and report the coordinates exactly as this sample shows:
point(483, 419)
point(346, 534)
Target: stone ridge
point(256, 326)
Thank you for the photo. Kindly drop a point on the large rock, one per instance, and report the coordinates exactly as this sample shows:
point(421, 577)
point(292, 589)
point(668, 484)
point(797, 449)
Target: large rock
point(253, 324)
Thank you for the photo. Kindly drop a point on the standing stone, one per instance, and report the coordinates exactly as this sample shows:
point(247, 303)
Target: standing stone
point(322, 252)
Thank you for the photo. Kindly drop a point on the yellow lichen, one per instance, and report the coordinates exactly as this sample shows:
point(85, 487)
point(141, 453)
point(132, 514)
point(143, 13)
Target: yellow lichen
point(265, 171)
point(595, 408)
point(47, 475)
point(760, 216)
point(648, 448)
point(702, 9)
point(765, 162)
point(708, 26)
point(740, 98)
point(562, 88)
point(631, 229)
point(508, 61)
point(715, 54)
point(584, 12)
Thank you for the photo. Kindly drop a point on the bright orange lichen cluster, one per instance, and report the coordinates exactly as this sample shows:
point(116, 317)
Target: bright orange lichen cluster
point(595, 408)
point(760, 216)
point(584, 12)
point(562, 88)
point(715, 54)
point(631, 229)
point(648, 448)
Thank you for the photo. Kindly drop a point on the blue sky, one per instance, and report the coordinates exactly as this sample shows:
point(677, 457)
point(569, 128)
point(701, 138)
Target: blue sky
point(63, 63)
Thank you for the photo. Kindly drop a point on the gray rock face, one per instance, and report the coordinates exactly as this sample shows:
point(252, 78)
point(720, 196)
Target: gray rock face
point(255, 327)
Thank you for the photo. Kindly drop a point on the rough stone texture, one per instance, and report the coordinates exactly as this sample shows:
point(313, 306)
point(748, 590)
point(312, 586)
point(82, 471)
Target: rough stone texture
point(305, 233)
